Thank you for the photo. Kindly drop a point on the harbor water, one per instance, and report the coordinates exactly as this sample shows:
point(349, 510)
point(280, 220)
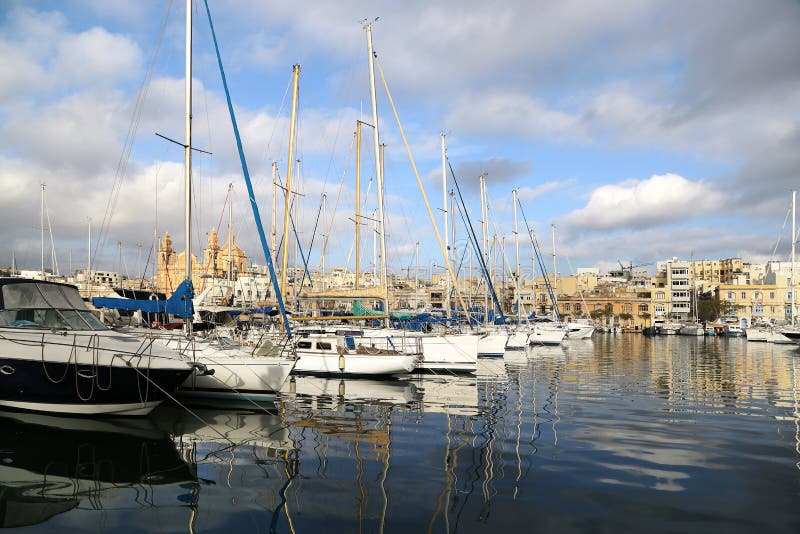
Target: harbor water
point(619, 433)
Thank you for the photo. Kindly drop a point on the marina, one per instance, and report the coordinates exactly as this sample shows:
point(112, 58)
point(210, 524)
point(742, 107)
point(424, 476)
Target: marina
point(505, 268)
point(616, 433)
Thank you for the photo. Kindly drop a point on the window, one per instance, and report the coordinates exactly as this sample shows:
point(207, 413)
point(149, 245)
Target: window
point(757, 295)
point(659, 295)
point(566, 307)
point(643, 308)
point(660, 309)
point(577, 308)
point(730, 295)
point(772, 294)
point(627, 308)
point(758, 309)
point(680, 283)
point(303, 344)
point(322, 345)
point(744, 295)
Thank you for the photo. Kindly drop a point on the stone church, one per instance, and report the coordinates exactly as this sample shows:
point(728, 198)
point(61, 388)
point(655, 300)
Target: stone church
point(216, 259)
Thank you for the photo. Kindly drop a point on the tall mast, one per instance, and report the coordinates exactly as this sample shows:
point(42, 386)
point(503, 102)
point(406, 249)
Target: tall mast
point(41, 217)
point(274, 231)
point(89, 262)
point(555, 273)
point(324, 210)
point(378, 165)
point(288, 184)
point(416, 277)
point(358, 203)
point(794, 238)
point(517, 277)
point(485, 251)
point(446, 300)
point(230, 232)
point(187, 154)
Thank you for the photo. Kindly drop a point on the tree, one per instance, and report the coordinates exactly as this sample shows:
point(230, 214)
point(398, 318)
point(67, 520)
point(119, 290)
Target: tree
point(708, 310)
point(596, 314)
point(624, 316)
point(644, 316)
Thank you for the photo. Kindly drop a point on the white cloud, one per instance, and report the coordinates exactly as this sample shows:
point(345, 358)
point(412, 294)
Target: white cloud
point(659, 200)
point(529, 194)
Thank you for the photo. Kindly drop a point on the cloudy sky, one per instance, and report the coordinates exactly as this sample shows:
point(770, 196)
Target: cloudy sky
point(641, 129)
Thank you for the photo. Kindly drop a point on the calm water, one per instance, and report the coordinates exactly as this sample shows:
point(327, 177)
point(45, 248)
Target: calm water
point(619, 433)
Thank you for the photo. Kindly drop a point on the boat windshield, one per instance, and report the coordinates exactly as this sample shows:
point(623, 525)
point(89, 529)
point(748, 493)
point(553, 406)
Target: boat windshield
point(45, 306)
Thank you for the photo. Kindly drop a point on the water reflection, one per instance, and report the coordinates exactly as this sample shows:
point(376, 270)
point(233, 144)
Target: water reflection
point(618, 433)
point(50, 465)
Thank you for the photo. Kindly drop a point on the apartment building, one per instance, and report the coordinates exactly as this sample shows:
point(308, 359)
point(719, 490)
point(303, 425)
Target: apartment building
point(672, 291)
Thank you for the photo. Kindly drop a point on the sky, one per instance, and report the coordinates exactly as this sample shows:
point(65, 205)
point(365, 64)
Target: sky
point(639, 130)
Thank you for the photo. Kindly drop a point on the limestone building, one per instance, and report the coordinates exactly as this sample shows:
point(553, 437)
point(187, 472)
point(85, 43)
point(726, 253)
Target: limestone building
point(218, 260)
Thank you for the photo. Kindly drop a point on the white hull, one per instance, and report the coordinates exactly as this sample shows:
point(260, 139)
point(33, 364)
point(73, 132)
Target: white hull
point(440, 352)
point(579, 331)
point(546, 335)
point(492, 344)
point(237, 372)
point(354, 364)
point(517, 341)
point(691, 330)
point(766, 335)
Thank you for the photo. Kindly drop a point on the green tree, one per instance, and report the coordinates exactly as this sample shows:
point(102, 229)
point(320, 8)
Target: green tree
point(708, 309)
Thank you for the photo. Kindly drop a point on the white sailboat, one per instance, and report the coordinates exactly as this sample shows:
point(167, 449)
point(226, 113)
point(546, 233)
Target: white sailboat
point(239, 371)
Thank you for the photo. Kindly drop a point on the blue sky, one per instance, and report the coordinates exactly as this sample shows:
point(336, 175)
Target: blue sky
point(641, 129)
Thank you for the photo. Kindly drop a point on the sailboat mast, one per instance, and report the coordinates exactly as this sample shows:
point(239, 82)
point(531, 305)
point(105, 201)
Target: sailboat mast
point(485, 251)
point(274, 230)
point(446, 300)
point(794, 238)
point(416, 277)
point(187, 155)
point(288, 185)
point(41, 217)
point(555, 273)
point(230, 232)
point(378, 166)
point(358, 204)
point(517, 277)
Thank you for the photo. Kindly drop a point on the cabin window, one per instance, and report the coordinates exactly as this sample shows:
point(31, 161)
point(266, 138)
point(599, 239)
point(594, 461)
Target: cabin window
point(303, 344)
point(323, 345)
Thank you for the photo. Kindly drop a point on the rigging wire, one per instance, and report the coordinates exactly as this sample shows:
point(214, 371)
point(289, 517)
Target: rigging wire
point(133, 127)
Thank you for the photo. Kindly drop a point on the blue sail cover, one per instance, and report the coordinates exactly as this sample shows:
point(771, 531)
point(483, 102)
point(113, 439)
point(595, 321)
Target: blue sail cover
point(179, 304)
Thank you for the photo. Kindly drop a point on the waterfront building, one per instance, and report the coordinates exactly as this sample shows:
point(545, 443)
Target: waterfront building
point(672, 291)
point(756, 302)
